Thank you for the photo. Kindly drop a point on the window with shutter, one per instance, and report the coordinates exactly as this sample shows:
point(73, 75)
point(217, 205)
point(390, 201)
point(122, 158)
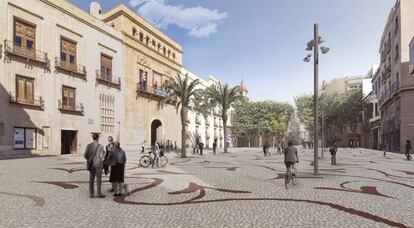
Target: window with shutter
point(69, 98)
point(24, 89)
point(106, 67)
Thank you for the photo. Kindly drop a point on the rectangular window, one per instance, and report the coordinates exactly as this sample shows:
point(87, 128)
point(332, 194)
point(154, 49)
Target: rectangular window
point(106, 67)
point(24, 36)
point(157, 80)
point(68, 52)
point(397, 52)
point(24, 89)
point(46, 137)
point(143, 78)
point(24, 138)
point(68, 98)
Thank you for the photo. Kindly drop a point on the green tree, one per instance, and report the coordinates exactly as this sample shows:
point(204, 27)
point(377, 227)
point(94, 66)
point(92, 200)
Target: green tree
point(304, 107)
point(224, 97)
point(180, 92)
point(243, 121)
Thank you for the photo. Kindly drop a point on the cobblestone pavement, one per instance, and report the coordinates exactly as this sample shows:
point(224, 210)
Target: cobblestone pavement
point(239, 189)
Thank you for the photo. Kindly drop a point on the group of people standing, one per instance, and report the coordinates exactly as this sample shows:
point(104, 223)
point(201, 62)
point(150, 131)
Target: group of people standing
point(279, 148)
point(111, 159)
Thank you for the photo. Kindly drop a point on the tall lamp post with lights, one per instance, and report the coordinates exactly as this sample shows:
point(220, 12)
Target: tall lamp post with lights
point(314, 45)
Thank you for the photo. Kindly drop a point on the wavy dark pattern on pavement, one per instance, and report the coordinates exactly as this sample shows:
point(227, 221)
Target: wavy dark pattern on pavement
point(38, 201)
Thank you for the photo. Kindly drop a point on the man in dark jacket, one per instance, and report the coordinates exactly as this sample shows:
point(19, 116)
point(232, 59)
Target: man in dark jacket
point(407, 149)
point(95, 154)
point(108, 150)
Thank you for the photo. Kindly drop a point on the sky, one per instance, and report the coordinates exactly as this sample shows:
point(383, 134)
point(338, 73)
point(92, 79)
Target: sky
point(263, 42)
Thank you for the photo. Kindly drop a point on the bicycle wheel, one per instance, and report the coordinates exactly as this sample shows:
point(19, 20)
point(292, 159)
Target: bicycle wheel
point(163, 161)
point(145, 161)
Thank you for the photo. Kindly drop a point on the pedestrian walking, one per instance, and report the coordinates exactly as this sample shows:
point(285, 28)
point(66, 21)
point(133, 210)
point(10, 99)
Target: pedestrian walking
point(201, 147)
point(214, 147)
point(333, 149)
point(407, 149)
point(175, 145)
point(279, 148)
point(94, 155)
point(108, 150)
point(385, 148)
point(118, 170)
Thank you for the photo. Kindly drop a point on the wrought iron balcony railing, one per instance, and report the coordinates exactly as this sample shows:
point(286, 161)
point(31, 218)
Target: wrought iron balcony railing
point(36, 101)
point(77, 108)
point(70, 67)
point(105, 78)
point(150, 91)
point(13, 48)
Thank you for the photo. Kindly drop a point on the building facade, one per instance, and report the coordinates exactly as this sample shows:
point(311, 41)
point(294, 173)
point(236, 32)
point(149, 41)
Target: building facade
point(61, 76)
point(205, 126)
point(66, 74)
point(394, 85)
point(150, 59)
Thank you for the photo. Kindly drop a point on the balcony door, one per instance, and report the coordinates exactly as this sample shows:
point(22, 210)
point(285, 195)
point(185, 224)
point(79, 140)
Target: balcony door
point(24, 38)
point(24, 90)
point(68, 98)
point(68, 53)
point(106, 67)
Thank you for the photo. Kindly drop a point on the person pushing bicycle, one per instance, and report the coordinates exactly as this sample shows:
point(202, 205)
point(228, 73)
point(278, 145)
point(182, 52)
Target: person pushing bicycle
point(291, 156)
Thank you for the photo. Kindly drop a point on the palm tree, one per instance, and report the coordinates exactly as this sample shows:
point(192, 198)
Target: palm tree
point(180, 91)
point(224, 97)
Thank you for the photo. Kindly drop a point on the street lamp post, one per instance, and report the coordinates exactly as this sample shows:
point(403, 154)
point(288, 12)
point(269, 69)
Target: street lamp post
point(314, 45)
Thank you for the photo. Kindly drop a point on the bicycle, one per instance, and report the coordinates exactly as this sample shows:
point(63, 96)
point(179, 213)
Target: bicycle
point(147, 160)
point(290, 177)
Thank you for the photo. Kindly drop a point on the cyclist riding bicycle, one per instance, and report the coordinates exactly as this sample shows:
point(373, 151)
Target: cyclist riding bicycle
point(291, 156)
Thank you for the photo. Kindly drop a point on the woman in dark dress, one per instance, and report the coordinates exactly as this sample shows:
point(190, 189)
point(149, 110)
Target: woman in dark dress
point(118, 158)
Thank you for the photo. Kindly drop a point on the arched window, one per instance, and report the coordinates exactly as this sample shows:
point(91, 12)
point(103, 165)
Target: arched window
point(134, 31)
point(153, 43)
point(159, 47)
point(141, 37)
point(164, 50)
point(173, 56)
point(169, 53)
point(147, 39)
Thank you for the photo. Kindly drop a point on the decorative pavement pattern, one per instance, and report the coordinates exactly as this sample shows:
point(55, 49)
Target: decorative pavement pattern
point(239, 189)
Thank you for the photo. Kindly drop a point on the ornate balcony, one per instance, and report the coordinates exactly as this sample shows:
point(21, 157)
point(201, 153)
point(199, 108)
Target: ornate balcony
point(29, 55)
point(149, 92)
point(77, 109)
point(36, 102)
point(108, 79)
point(72, 69)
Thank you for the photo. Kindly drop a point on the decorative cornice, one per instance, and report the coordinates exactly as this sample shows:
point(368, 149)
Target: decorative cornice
point(127, 15)
point(69, 30)
point(106, 47)
point(25, 10)
point(47, 2)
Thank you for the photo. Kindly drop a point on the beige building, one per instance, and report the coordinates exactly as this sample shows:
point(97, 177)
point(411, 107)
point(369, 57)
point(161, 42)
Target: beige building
point(150, 59)
point(394, 85)
point(61, 76)
point(341, 85)
point(67, 73)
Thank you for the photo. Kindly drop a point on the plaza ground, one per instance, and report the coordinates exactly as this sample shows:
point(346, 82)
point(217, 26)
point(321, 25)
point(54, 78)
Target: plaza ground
point(239, 189)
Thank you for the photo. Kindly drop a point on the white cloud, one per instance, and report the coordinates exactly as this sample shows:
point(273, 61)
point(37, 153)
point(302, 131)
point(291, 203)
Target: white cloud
point(200, 21)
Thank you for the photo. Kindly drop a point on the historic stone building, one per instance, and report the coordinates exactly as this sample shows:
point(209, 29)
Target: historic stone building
point(394, 85)
point(61, 77)
point(150, 59)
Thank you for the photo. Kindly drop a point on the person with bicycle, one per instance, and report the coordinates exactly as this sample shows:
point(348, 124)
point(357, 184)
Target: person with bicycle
point(291, 156)
point(156, 152)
